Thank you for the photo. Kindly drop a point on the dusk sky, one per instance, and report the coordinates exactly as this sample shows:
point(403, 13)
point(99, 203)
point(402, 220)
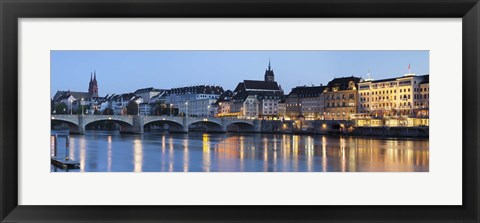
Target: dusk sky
point(126, 71)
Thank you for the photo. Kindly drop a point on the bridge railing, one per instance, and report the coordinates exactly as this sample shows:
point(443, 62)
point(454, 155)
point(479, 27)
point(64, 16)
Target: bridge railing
point(153, 116)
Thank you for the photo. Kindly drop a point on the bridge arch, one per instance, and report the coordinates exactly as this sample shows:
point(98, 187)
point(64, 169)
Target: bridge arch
point(124, 126)
point(72, 126)
point(240, 126)
point(206, 126)
point(164, 124)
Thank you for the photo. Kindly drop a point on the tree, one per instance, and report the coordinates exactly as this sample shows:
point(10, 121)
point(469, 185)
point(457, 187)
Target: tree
point(80, 107)
point(108, 111)
point(161, 109)
point(132, 108)
point(61, 108)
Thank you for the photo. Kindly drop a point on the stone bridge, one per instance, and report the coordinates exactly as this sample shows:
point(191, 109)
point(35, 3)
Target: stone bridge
point(137, 123)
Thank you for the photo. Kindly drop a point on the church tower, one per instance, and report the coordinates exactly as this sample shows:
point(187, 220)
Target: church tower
point(93, 86)
point(269, 76)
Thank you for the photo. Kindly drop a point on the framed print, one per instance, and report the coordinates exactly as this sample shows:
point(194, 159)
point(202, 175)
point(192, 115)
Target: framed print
point(204, 111)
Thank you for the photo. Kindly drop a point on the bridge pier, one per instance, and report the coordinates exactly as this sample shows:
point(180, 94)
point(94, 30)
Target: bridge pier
point(257, 125)
point(81, 125)
point(137, 124)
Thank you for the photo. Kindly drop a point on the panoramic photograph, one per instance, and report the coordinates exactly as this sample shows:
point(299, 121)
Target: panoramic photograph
point(239, 111)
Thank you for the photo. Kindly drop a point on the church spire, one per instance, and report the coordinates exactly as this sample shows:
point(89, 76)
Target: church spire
point(93, 86)
point(269, 76)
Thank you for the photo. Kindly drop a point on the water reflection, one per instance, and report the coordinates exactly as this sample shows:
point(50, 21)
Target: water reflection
point(83, 154)
point(138, 155)
point(109, 153)
point(206, 153)
point(100, 151)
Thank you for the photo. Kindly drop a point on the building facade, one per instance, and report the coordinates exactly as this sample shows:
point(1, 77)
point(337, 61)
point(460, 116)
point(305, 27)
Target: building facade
point(392, 97)
point(282, 108)
point(423, 92)
point(194, 100)
point(148, 93)
point(144, 109)
point(305, 102)
point(257, 99)
point(340, 98)
point(223, 105)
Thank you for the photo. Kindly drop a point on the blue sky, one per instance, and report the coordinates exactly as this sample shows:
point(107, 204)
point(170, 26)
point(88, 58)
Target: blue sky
point(126, 71)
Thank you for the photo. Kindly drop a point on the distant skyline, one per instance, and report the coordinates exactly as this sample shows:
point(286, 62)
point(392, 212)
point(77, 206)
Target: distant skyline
point(126, 71)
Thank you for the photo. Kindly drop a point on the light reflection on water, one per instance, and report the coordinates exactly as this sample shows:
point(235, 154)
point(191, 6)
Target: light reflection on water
point(103, 151)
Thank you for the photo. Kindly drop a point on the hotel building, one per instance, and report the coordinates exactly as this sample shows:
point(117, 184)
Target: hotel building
point(393, 96)
point(340, 98)
point(396, 101)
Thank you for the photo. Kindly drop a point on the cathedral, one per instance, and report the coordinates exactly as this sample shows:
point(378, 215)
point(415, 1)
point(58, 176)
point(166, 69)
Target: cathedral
point(92, 91)
point(93, 86)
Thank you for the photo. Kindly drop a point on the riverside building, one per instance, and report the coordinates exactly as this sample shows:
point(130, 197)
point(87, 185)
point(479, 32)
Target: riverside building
point(305, 102)
point(396, 101)
point(340, 98)
point(194, 100)
point(257, 99)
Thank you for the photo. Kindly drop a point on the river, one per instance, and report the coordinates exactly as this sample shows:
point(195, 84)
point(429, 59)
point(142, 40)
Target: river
point(110, 151)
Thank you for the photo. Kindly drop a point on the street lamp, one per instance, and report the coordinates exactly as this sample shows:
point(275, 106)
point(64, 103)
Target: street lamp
point(208, 111)
point(71, 110)
point(81, 103)
point(138, 107)
point(186, 109)
point(170, 109)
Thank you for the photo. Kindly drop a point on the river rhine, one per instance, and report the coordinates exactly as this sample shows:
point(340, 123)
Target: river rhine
point(110, 151)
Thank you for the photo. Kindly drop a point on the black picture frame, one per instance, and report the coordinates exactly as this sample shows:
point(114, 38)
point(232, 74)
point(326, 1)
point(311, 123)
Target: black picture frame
point(11, 11)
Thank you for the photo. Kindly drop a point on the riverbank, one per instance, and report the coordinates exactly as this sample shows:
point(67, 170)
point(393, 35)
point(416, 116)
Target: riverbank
point(407, 132)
